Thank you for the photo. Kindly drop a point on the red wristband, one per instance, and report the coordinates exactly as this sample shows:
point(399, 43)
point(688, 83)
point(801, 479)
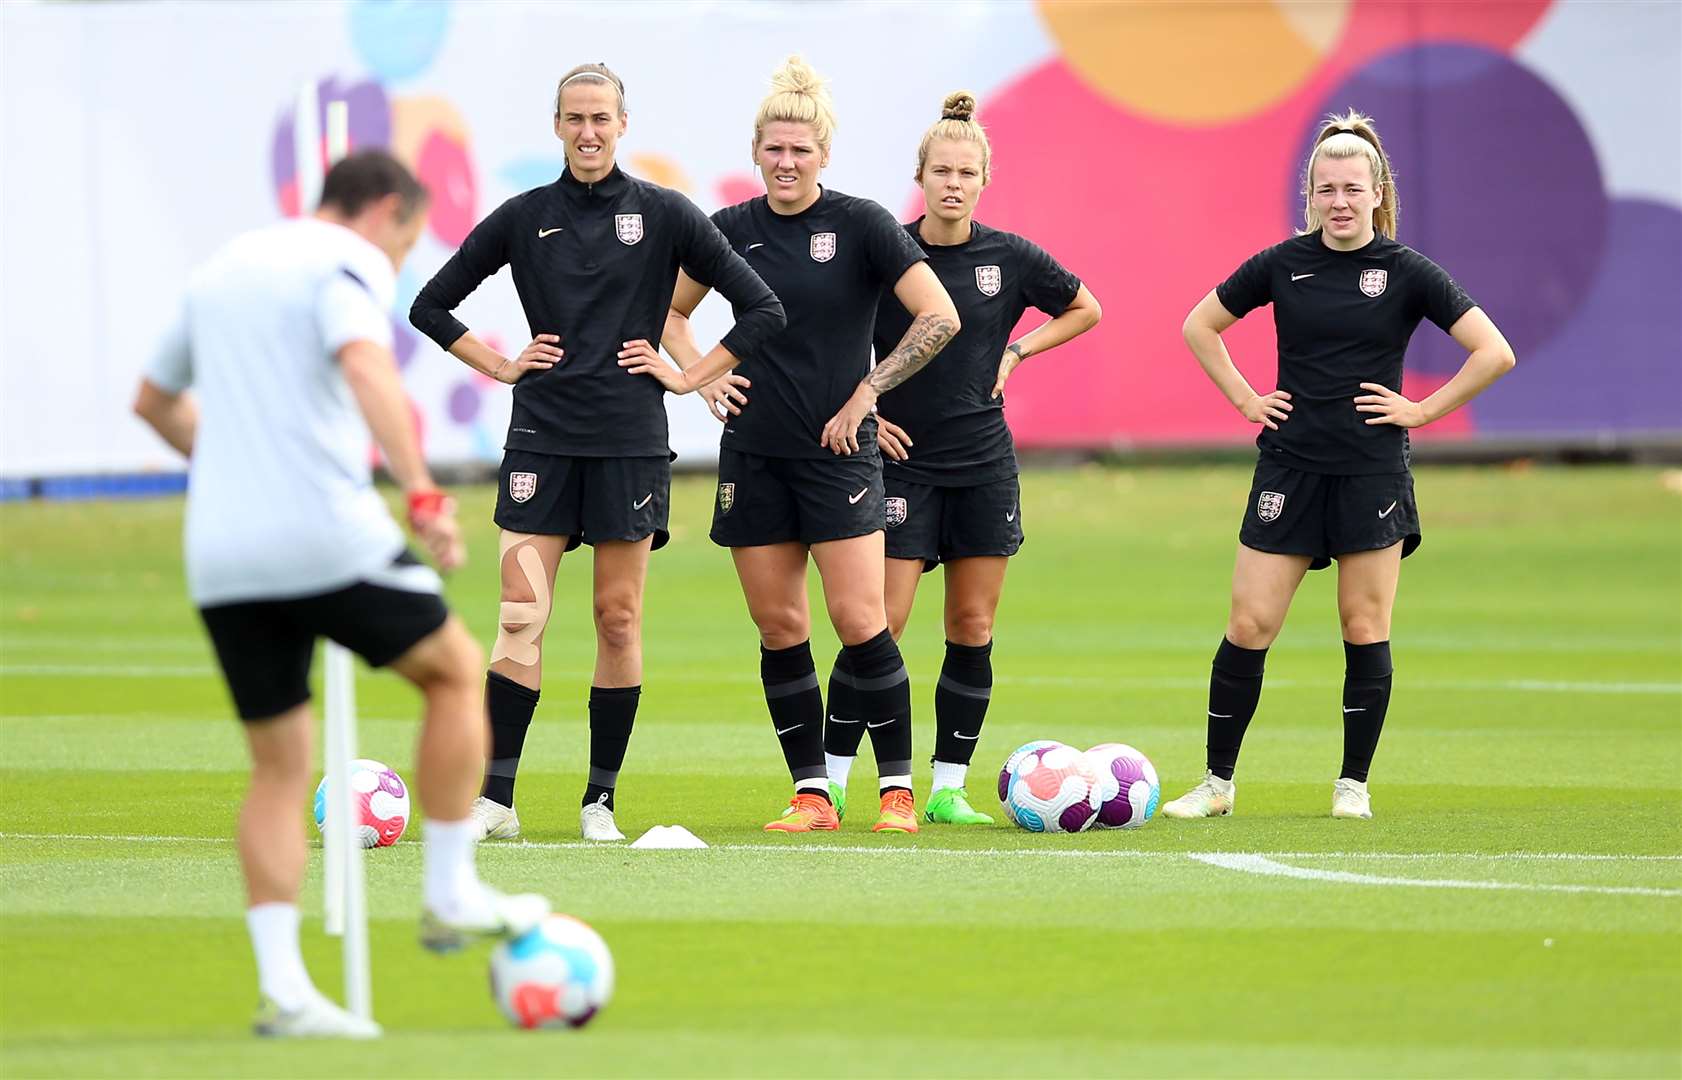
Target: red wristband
point(426, 505)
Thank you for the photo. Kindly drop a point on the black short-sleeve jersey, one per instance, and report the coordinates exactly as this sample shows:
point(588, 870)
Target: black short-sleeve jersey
point(1341, 318)
point(595, 264)
point(828, 265)
point(956, 426)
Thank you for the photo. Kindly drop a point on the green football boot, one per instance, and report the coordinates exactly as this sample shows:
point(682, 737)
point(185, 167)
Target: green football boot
point(950, 806)
point(838, 796)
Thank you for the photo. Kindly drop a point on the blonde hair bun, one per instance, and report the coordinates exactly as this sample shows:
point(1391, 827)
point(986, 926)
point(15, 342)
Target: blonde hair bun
point(959, 105)
point(797, 77)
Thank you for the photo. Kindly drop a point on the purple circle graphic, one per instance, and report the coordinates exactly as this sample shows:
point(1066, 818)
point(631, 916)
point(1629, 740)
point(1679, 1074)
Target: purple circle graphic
point(1498, 181)
point(403, 342)
point(464, 403)
point(1119, 811)
point(1612, 366)
point(1075, 818)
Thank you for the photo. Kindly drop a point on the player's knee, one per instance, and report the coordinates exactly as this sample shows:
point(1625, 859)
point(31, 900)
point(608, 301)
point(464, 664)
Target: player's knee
point(524, 610)
point(1249, 630)
point(1365, 627)
point(969, 627)
point(856, 620)
point(896, 623)
point(783, 627)
point(618, 623)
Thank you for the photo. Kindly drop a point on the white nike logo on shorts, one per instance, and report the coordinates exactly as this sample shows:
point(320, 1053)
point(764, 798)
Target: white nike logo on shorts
point(855, 498)
point(640, 505)
point(1299, 277)
point(1384, 513)
point(752, 246)
point(1011, 516)
point(541, 233)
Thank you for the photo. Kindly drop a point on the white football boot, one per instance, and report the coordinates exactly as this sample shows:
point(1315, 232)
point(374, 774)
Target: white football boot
point(1350, 799)
point(1211, 798)
point(493, 820)
point(316, 1018)
point(484, 912)
point(596, 822)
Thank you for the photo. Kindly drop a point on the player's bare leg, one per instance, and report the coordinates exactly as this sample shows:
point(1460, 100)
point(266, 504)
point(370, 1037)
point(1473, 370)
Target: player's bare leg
point(273, 855)
point(973, 588)
point(773, 578)
point(621, 571)
point(1263, 585)
point(854, 573)
point(445, 666)
point(528, 564)
point(1366, 597)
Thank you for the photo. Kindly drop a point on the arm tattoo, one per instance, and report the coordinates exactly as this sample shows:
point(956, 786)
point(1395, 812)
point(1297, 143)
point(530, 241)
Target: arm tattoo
point(926, 337)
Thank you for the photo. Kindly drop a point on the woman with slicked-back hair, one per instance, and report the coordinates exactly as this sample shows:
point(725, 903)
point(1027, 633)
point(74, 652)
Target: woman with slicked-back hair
point(1333, 480)
point(953, 497)
point(594, 257)
point(799, 472)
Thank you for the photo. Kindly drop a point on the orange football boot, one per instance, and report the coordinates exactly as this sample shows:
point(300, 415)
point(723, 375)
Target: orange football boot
point(899, 812)
point(809, 812)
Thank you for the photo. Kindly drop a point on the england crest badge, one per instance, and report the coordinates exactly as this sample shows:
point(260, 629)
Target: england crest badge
point(522, 486)
point(726, 497)
point(628, 227)
point(988, 279)
point(1269, 505)
point(1373, 281)
point(896, 511)
point(823, 246)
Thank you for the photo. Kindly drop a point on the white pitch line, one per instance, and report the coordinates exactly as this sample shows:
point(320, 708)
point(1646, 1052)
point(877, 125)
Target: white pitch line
point(851, 849)
point(1260, 864)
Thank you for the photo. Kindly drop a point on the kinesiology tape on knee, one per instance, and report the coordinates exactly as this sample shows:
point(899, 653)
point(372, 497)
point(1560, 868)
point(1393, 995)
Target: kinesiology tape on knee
point(522, 622)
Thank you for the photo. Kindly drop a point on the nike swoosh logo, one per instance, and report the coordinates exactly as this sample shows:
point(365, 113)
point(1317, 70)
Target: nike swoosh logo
point(1221, 715)
point(1384, 513)
point(856, 498)
point(1011, 516)
point(640, 505)
point(541, 233)
point(838, 720)
point(1348, 711)
point(1299, 277)
point(786, 730)
point(884, 723)
point(752, 246)
point(961, 735)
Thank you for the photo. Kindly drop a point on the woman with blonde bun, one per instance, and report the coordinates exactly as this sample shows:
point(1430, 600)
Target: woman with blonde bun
point(799, 471)
point(1333, 481)
point(953, 497)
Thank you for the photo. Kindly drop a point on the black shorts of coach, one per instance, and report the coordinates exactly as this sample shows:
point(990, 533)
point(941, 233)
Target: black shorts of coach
point(1292, 512)
point(586, 499)
point(265, 646)
point(939, 524)
point(773, 500)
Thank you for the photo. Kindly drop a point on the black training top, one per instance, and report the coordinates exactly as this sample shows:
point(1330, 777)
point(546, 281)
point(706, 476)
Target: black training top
point(957, 428)
point(1342, 318)
point(829, 264)
point(595, 264)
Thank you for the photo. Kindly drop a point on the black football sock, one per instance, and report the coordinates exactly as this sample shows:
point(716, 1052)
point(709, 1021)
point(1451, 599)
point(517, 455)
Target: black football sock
point(844, 729)
point(796, 705)
point(960, 701)
point(613, 712)
point(510, 706)
point(884, 702)
point(1235, 683)
point(1366, 698)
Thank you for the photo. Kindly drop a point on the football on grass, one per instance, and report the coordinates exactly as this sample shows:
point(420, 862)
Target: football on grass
point(1048, 786)
point(382, 802)
point(560, 974)
point(1127, 787)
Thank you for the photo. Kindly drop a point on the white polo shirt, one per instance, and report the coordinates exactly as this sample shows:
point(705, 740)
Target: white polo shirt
point(280, 500)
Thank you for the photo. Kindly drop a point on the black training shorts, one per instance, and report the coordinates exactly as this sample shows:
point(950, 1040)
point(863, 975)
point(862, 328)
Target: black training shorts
point(1292, 512)
point(772, 500)
point(939, 524)
point(586, 499)
point(265, 646)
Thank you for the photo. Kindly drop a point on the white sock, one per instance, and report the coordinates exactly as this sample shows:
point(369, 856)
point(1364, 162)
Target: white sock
point(948, 775)
point(280, 963)
point(883, 783)
point(447, 860)
point(812, 783)
point(839, 769)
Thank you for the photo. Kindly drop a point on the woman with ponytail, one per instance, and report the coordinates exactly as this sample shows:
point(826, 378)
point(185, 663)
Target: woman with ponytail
point(799, 471)
point(1333, 480)
point(953, 497)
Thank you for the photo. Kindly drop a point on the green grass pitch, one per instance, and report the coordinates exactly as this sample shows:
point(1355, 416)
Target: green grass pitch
point(1514, 909)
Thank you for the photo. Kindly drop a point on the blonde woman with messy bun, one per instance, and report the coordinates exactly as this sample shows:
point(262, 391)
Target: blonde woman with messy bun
point(953, 497)
point(799, 471)
point(1333, 481)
